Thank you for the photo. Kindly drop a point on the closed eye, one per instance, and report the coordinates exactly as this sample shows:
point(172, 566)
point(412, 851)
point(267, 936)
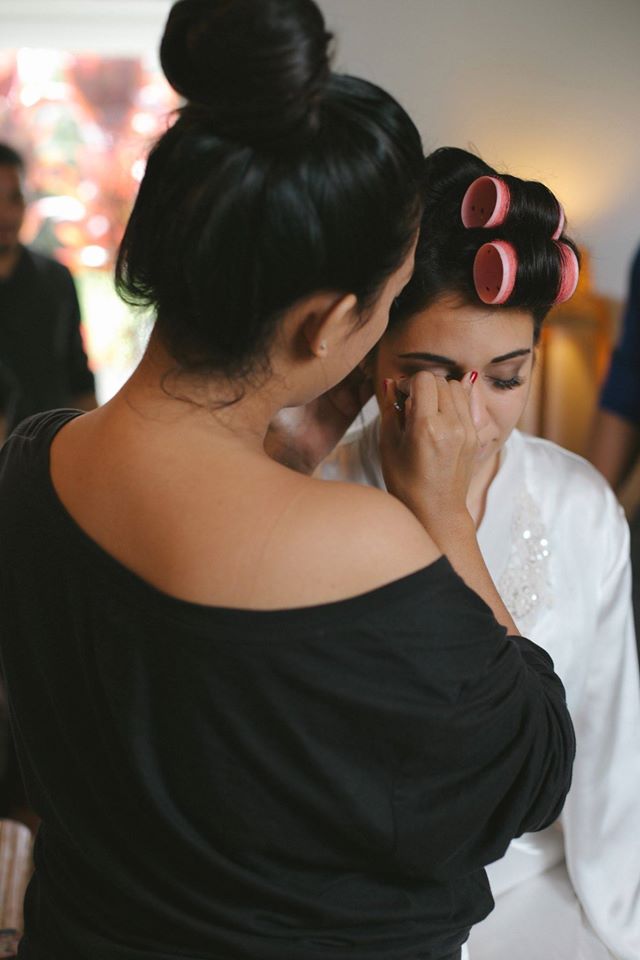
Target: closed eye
point(509, 384)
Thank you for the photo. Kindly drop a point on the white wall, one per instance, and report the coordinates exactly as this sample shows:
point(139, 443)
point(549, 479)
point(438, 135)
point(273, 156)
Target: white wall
point(546, 89)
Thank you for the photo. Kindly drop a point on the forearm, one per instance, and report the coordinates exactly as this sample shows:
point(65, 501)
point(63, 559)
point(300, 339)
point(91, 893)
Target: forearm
point(302, 437)
point(290, 451)
point(457, 539)
point(614, 446)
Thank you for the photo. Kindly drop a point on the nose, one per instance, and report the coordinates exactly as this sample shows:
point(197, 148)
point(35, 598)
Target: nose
point(479, 412)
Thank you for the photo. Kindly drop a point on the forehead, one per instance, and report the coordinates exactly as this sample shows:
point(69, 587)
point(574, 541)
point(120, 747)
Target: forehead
point(459, 331)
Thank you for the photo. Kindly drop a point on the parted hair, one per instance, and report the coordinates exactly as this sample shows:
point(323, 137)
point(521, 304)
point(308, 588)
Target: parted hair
point(278, 179)
point(447, 249)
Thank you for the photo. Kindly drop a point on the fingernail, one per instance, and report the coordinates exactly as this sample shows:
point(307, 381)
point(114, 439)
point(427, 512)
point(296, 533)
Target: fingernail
point(385, 386)
point(474, 376)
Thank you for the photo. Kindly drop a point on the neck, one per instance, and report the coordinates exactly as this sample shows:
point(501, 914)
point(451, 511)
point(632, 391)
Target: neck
point(479, 487)
point(9, 257)
point(216, 406)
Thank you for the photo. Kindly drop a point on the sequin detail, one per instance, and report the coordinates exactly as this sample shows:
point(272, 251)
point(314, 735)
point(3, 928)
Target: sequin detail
point(525, 585)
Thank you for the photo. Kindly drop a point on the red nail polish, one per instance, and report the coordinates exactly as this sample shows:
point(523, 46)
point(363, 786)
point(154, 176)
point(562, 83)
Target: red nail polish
point(474, 376)
point(385, 386)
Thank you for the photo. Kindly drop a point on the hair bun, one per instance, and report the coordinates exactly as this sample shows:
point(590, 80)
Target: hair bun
point(259, 66)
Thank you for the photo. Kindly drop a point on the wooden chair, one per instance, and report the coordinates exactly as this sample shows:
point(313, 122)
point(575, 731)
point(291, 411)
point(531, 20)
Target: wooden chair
point(16, 843)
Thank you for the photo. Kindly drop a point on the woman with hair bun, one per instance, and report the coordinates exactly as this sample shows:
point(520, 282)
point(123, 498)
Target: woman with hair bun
point(242, 749)
point(491, 261)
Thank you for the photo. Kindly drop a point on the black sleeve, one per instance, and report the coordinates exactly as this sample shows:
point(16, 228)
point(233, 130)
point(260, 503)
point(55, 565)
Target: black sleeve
point(482, 727)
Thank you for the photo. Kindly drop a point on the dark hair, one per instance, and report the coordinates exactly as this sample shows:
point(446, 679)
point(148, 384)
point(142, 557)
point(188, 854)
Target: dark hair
point(446, 249)
point(278, 179)
point(10, 157)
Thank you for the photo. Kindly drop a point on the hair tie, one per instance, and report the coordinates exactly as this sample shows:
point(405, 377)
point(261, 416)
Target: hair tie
point(494, 271)
point(569, 273)
point(486, 204)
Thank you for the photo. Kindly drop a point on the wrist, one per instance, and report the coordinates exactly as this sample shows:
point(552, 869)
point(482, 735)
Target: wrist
point(450, 529)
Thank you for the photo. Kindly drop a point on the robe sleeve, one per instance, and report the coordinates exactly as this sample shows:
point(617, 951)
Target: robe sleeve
point(601, 819)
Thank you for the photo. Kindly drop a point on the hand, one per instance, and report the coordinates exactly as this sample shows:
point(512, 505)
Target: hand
point(301, 437)
point(427, 448)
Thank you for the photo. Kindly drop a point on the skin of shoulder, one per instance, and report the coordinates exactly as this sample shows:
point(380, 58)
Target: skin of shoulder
point(352, 539)
point(288, 540)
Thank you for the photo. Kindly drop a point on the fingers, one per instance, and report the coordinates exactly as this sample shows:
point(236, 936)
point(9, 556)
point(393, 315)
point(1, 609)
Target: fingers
point(427, 399)
point(390, 412)
point(460, 396)
point(460, 393)
point(468, 380)
point(424, 393)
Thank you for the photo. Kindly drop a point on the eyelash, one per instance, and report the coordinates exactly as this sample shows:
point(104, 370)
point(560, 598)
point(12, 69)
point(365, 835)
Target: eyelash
point(507, 384)
point(510, 384)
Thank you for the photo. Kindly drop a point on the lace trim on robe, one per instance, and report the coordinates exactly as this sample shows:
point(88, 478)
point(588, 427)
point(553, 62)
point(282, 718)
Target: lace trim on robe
point(525, 585)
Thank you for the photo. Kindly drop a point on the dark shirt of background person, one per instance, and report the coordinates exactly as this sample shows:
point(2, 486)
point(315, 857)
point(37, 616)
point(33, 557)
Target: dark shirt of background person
point(43, 364)
point(615, 444)
point(621, 392)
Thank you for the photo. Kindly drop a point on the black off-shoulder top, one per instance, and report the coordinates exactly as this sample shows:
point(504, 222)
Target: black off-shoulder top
point(319, 782)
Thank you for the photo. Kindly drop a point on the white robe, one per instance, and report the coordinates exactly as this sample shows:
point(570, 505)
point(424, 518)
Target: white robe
point(556, 543)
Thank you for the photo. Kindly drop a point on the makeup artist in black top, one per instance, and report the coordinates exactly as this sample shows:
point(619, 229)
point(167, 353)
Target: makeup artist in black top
point(241, 748)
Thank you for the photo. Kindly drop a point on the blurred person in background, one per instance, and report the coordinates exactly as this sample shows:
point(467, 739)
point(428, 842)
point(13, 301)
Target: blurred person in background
point(42, 365)
point(42, 359)
point(615, 442)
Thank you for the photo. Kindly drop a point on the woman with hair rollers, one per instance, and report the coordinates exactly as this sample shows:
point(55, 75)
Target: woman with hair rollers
point(240, 748)
point(491, 261)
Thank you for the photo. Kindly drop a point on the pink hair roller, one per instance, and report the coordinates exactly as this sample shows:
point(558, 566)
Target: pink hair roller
point(486, 203)
point(558, 231)
point(570, 272)
point(494, 271)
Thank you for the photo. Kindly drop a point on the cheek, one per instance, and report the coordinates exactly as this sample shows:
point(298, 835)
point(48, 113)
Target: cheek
point(509, 407)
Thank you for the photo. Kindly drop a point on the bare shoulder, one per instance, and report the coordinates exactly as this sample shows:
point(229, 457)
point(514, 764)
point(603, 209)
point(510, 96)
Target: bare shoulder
point(349, 539)
point(288, 540)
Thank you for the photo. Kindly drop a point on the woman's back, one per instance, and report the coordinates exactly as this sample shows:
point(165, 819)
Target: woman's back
point(273, 783)
point(169, 496)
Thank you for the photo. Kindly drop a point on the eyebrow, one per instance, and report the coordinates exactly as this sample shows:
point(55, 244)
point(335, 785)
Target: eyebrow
point(447, 362)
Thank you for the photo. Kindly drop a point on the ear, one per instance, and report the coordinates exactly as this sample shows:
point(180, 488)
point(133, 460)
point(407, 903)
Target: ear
point(328, 322)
